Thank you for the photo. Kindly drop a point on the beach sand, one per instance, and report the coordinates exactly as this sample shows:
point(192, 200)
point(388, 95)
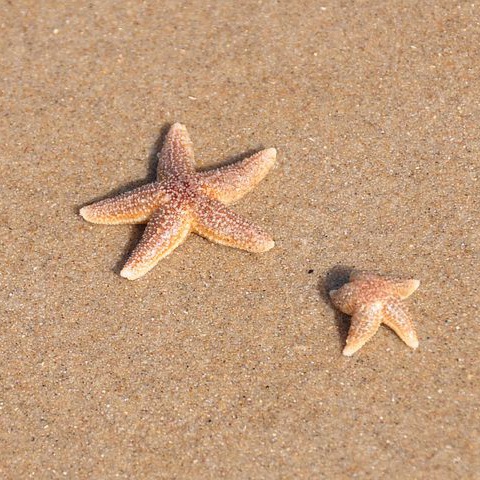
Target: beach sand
point(220, 363)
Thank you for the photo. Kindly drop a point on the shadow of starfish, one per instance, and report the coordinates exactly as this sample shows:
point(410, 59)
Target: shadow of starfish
point(334, 279)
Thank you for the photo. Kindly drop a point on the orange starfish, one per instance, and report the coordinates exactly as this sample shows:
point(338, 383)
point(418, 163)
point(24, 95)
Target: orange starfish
point(373, 299)
point(183, 200)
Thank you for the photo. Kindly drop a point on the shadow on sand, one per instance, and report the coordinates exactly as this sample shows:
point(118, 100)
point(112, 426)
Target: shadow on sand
point(334, 279)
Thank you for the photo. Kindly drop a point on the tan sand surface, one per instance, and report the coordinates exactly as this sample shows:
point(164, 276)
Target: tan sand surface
point(220, 364)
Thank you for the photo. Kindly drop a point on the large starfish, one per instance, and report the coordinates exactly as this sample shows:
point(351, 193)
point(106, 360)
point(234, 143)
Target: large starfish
point(183, 200)
point(373, 299)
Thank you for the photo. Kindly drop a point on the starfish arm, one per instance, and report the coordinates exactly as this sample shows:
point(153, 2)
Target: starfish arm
point(364, 325)
point(176, 156)
point(218, 223)
point(167, 229)
point(135, 206)
point(345, 298)
point(398, 319)
point(404, 288)
point(232, 182)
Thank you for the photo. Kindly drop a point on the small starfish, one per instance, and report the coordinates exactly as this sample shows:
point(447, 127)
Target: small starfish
point(183, 200)
point(373, 299)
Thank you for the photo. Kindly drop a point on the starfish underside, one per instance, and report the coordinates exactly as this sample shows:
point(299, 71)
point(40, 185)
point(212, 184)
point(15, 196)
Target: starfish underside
point(373, 299)
point(182, 200)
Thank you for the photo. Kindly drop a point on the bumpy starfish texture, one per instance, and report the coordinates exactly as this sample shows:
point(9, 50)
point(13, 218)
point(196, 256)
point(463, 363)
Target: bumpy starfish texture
point(373, 299)
point(183, 201)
